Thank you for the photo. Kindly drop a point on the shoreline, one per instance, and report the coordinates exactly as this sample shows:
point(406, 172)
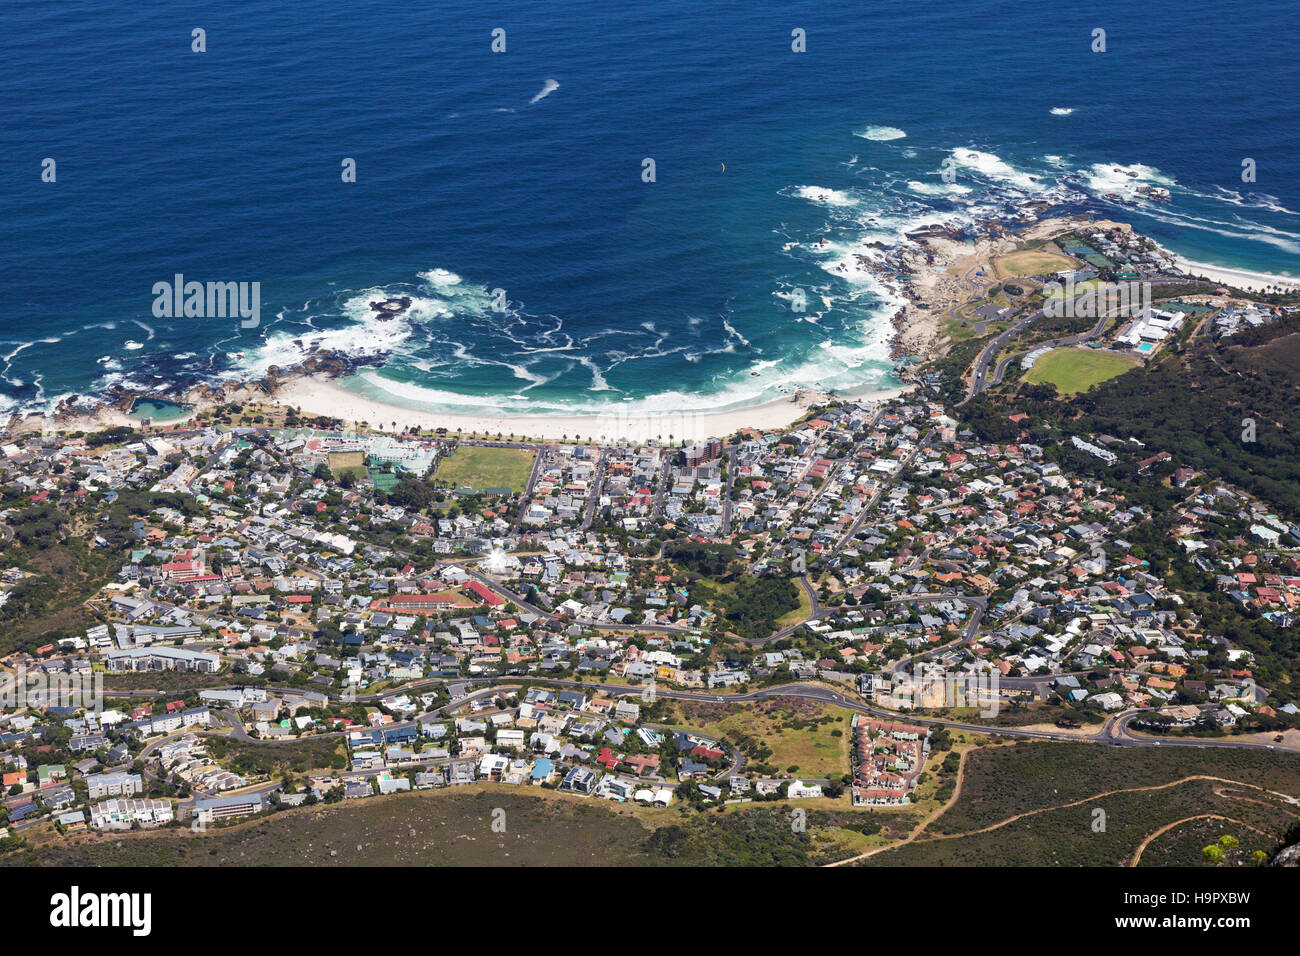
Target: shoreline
point(325, 396)
point(932, 271)
point(1237, 278)
point(319, 393)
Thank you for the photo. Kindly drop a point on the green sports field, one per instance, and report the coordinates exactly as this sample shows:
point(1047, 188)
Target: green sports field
point(1031, 262)
point(481, 468)
point(1077, 370)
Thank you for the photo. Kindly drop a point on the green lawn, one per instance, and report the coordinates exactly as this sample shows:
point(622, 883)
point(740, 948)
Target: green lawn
point(799, 614)
point(1077, 370)
point(1031, 262)
point(481, 468)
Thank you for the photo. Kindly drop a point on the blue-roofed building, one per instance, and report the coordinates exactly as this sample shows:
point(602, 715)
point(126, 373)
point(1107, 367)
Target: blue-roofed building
point(542, 769)
point(401, 735)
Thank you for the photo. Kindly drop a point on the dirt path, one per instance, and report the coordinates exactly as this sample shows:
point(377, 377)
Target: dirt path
point(1064, 806)
point(934, 815)
point(1137, 854)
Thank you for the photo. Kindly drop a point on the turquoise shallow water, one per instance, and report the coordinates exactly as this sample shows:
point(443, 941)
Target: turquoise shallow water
point(159, 411)
point(522, 172)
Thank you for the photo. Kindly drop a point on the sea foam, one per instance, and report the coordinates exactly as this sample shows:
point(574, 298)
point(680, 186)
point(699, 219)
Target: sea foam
point(881, 134)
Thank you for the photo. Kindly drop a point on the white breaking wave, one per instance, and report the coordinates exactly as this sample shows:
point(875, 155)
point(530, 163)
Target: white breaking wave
point(455, 294)
point(1248, 201)
point(1062, 110)
point(368, 340)
point(992, 166)
point(881, 134)
point(1123, 181)
point(358, 307)
point(730, 330)
point(598, 383)
point(937, 189)
point(831, 197)
point(440, 278)
point(1254, 232)
point(368, 336)
point(845, 367)
point(549, 87)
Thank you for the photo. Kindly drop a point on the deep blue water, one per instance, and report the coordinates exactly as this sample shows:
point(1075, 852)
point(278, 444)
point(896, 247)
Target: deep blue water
point(225, 165)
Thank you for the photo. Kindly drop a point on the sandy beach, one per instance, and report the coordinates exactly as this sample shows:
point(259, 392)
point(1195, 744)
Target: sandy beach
point(1237, 278)
point(321, 394)
point(324, 396)
point(940, 272)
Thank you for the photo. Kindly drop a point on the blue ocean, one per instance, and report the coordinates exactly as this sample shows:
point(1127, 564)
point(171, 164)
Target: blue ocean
point(506, 194)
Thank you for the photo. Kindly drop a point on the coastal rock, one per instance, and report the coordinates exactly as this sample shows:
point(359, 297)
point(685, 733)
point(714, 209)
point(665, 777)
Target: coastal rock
point(1288, 857)
point(391, 308)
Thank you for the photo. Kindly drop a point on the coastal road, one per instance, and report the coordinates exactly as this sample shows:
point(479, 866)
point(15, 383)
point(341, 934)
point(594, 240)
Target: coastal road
point(817, 613)
point(593, 498)
point(1113, 732)
point(661, 486)
point(1108, 734)
point(980, 381)
point(528, 490)
point(730, 453)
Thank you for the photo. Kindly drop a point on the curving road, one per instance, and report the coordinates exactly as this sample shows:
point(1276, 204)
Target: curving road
point(1113, 732)
point(979, 380)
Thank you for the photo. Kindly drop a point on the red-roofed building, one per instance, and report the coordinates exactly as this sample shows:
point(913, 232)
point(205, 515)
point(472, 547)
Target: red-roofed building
point(706, 753)
point(185, 567)
point(490, 597)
